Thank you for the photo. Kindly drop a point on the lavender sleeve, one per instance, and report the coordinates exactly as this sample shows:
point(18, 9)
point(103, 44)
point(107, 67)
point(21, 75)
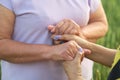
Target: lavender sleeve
point(94, 4)
point(7, 4)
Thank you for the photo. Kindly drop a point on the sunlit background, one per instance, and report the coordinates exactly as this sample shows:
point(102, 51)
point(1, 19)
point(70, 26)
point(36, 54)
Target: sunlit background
point(112, 39)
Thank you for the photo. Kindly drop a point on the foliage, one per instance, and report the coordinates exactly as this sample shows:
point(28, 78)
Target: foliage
point(112, 38)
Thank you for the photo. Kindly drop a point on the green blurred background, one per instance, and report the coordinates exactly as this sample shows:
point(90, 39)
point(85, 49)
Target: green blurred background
point(112, 38)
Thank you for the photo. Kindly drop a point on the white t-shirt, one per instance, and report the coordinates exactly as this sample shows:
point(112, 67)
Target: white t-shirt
point(32, 20)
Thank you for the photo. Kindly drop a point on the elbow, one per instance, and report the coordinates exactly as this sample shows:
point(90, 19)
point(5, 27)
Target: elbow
point(103, 26)
point(104, 29)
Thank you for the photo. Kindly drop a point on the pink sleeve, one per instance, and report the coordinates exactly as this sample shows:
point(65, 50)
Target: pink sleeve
point(7, 4)
point(94, 4)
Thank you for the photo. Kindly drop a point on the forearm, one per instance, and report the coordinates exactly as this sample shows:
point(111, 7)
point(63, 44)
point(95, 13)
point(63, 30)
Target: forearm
point(17, 52)
point(97, 25)
point(101, 54)
point(94, 30)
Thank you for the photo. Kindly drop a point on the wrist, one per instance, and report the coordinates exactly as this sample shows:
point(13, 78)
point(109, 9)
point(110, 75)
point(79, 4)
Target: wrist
point(49, 52)
point(52, 55)
point(92, 47)
point(82, 42)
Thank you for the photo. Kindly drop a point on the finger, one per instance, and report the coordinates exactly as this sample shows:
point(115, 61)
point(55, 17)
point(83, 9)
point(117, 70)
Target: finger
point(79, 49)
point(87, 51)
point(81, 52)
point(74, 48)
point(75, 27)
point(76, 45)
point(56, 37)
point(51, 28)
point(66, 56)
point(64, 37)
point(72, 51)
point(68, 29)
point(58, 26)
point(63, 28)
point(77, 57)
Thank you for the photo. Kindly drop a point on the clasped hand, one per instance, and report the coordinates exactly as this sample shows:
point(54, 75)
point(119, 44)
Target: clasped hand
point(68, 50)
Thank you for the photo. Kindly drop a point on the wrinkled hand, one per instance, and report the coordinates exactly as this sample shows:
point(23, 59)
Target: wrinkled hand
point(73, 68)
point(66, 26)
point(65, 51)
point(81, 42)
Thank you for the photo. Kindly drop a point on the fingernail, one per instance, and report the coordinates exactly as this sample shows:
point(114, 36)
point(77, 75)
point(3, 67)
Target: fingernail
point(57, 37)
point(80, 50)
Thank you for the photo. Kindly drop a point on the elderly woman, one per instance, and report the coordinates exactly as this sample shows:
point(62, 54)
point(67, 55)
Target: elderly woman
point(26, 49)
point(100, 54)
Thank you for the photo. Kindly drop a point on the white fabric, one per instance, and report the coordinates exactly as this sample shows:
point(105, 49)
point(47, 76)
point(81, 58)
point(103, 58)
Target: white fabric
point(32, 20)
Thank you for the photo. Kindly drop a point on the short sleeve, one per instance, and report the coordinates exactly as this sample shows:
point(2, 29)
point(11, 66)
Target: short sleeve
point(94, 4)
point(7, 4)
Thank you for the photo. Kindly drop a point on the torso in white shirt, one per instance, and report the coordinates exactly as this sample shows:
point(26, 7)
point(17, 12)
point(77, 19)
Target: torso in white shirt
point(32, 20)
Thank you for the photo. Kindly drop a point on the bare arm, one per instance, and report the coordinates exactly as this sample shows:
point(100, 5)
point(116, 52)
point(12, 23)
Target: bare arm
point(99, 53)
point(18, 52)
point(73, 72)
point(97, 26)
point(15, 51)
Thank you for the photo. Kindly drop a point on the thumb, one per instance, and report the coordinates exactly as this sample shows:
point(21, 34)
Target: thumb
point(78, 57)
point(87, 51)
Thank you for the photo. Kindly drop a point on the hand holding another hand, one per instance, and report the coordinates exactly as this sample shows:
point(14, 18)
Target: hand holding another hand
point(66, 26)
point(65, 51)
point(73, 68)
point(81, 42)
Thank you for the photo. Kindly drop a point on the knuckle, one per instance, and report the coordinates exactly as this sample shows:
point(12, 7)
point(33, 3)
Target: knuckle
point(70, 43)
point(73, 42)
